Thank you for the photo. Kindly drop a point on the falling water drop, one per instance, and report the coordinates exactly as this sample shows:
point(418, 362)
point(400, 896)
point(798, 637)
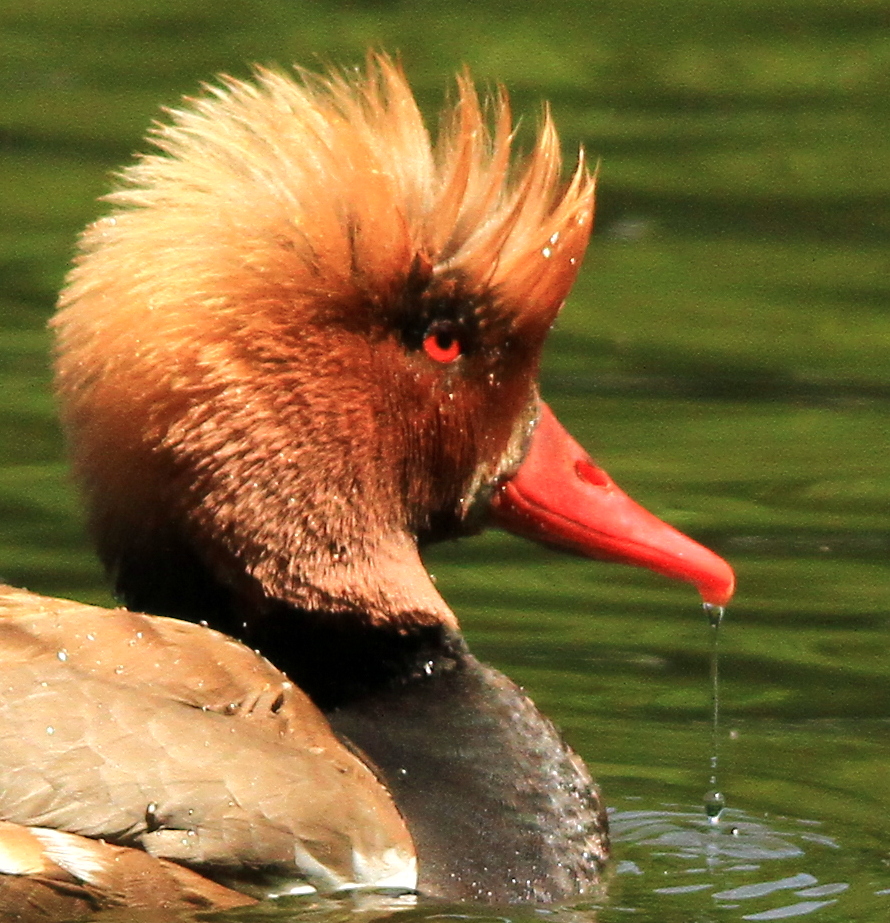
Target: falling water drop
point(714, 800)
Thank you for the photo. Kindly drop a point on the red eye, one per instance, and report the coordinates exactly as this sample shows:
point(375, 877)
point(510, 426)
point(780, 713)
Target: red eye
point(442, 343)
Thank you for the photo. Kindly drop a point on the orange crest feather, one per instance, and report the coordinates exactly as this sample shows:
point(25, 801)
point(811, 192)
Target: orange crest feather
point(344, 171)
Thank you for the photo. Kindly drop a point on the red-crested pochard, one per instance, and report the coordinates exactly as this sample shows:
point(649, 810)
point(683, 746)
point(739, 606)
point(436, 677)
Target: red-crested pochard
point(304, 344)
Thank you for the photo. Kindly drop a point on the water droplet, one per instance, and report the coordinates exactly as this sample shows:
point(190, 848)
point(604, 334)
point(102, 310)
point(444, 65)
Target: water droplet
point(547, 253)
point(62, 655)
point(714, 614)
point(50, 730)
point(714, 805)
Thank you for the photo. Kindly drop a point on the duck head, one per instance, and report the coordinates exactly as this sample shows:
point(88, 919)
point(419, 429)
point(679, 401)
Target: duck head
point(306, 340)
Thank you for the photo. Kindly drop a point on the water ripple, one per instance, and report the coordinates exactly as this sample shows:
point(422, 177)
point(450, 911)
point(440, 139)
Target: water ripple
point(749, 868)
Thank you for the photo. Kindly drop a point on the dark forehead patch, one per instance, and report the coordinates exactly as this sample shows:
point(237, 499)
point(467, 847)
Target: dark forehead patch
point(428, 299)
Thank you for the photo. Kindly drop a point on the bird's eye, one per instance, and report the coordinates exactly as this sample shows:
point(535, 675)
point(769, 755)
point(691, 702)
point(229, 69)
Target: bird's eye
point(442, 342)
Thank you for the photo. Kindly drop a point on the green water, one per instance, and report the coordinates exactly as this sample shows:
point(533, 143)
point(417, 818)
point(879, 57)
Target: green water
point(725, 356)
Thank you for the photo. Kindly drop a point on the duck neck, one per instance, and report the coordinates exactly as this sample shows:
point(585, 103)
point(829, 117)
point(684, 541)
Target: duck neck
point(339, 660)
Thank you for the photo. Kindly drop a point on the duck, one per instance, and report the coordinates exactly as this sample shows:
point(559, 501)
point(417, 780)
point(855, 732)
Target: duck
point(302, 346)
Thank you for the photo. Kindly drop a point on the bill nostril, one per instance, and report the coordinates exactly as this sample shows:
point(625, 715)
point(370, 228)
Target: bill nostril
point(590, 474)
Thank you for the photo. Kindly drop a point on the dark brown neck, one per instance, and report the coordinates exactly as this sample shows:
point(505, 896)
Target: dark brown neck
point(340, 660)
point(162, 575)
point(336, 658)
